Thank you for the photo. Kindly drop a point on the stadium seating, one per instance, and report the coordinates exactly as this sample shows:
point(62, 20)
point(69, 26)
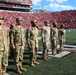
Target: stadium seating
point(66, 17)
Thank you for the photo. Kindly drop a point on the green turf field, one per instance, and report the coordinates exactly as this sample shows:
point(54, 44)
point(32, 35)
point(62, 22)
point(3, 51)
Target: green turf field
point(54, 66)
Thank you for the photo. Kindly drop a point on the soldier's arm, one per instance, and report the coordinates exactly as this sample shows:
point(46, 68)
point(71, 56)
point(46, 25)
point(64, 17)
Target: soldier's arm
point(51, 33)
point(59, 34)
point(12, 35)
point(28, 37)
point(8, 40)
point(64, 35)
point(23, 38)
point(42, 34)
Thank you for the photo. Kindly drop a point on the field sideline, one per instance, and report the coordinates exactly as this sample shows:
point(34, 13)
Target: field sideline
point(54, 66)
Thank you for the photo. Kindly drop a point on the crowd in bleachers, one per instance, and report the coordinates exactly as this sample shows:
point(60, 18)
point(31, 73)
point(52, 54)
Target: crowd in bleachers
point(66, 17)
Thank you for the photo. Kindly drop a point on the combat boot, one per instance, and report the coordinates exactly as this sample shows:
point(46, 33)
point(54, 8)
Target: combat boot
point(18, 71)
point(2, 73)
point(45, 58)
point(22, 69)
point(62, 50)
point(54, 53)
point(32, 65)
point(36, 62)
point(48, 57)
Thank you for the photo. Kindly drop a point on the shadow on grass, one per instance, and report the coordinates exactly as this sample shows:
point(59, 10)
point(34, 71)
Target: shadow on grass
point(11, 63)
point(26, 63)
point(11, 70)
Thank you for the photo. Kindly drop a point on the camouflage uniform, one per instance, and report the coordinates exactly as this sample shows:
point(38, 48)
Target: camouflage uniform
point(46, 40)
point(33, 44)
point(62, 34)
point(4, 48)
point(17, 36)
point(11, 32)
point(54, 38)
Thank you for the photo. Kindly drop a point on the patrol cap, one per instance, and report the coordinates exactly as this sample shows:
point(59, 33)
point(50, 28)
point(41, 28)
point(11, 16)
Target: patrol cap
point(1, 18)
point(55, 24)
point(18, 19)
point(46, 21)
point(11, 26)
point(33, 21)
point(62, 26)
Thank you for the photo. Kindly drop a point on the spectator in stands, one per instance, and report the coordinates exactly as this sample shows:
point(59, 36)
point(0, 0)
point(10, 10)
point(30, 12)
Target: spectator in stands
point(18, 43)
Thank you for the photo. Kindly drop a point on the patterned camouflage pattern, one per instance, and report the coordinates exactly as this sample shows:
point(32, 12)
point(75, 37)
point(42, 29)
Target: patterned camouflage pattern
point(46, 40)
point(62, 34)
point(33, 43)
point(54, 40)
point(17, 40)
point(4, 48)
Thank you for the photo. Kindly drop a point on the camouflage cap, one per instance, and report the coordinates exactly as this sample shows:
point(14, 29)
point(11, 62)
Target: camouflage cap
point(55, 24)
point(34, 21)
point(46, 21)
point(62, 26)
point(1, 18)
point(18, 19)
point(12, 25)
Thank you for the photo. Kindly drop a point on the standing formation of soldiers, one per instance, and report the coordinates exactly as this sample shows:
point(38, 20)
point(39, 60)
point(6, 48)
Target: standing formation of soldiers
point(14, 40)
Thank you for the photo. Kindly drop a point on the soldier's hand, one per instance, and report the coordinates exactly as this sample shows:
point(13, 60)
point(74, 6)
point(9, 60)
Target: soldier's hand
point(14, 47)
point(44, 41)
point(30, 46)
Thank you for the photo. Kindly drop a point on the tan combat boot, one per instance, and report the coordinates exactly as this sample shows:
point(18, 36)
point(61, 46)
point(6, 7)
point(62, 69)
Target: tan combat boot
point(48, 57)
point(54, 53)
point(32, 65)
point(18, 70)
point(62, 50)
point(2, 73)
point(45, 58)
point(36, 62)
point(23, 69)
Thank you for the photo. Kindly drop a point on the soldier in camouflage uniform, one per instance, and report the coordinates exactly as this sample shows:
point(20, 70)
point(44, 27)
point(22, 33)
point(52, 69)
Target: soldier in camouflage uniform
point(32, 37)
point(46, 39)
point(17, 43)
point(54, 38)
point(62, 34)
point(10, 32)
point(4, 47)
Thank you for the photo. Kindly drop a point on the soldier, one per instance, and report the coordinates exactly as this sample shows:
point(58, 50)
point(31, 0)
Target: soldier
point(54, 38)
point(46, 39)
point(32, 37)
point(17, 43)
point(4, 47)
point(12, 31)
point(62, 34)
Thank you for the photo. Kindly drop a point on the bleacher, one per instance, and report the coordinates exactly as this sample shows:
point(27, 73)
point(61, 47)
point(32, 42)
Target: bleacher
point(66, 17)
